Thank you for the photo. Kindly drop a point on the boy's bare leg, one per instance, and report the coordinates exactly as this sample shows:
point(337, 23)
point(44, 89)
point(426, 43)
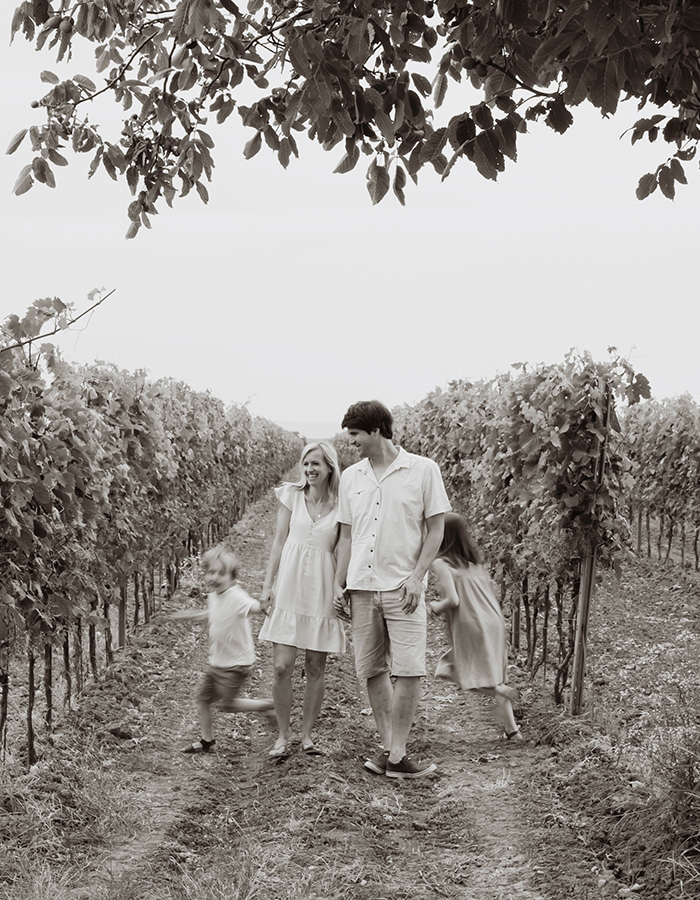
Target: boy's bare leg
point(205, 721)
point(246, 704)
point(315, 667)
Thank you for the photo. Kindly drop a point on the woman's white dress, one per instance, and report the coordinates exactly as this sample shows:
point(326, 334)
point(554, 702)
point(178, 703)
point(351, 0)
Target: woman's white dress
point(303, 615)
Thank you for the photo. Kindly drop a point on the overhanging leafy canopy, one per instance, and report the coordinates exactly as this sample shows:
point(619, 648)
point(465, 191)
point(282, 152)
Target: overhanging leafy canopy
point(352, 73)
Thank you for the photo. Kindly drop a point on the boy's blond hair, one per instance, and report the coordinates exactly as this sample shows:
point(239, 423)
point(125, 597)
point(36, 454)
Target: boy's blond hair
point(224, 556)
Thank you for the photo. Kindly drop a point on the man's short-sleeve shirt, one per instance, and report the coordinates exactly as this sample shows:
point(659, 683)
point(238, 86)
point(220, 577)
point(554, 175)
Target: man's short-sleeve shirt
point(387, 518)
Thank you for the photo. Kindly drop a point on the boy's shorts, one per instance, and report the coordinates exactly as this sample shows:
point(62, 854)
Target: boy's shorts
point(222, 684)
point(385, 638)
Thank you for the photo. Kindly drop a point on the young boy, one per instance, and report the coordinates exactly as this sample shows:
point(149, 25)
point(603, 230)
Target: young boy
point(231, 648)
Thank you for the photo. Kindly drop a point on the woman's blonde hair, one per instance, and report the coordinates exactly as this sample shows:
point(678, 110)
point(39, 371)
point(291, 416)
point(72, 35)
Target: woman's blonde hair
point(331, 458)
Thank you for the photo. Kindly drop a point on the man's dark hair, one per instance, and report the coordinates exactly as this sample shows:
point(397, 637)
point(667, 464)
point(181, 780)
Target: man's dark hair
point(366, 415)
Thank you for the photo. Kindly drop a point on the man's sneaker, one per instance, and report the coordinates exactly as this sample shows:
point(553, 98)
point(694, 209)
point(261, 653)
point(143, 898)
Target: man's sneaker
point(378, 763)
point(406, 768)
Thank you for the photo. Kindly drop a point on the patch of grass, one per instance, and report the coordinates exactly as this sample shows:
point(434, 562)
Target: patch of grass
point(60, 815)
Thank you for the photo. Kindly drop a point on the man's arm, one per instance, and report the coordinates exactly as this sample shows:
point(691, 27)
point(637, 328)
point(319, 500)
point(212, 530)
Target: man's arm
point(413, 586)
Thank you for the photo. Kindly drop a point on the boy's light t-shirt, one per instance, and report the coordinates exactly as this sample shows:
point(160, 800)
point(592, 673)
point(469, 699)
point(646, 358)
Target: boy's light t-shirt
point(230, 634)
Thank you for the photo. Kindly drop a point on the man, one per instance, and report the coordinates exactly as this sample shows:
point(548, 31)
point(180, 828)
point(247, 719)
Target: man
point(391, 511)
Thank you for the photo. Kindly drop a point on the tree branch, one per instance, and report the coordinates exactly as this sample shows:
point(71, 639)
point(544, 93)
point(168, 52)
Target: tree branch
point(41, 337)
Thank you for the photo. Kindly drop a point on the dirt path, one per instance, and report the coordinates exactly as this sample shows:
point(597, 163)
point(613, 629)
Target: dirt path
point(234, 824)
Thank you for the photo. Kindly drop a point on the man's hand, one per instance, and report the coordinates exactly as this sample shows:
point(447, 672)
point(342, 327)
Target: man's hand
point(341, 603)
point(412, 593)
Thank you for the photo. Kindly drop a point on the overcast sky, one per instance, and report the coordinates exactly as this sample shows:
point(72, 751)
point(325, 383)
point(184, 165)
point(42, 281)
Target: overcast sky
point(290, 292)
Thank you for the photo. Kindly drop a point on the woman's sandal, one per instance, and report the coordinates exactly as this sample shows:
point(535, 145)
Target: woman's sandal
point(311, 749)
point(281, 750)
point(512, 735)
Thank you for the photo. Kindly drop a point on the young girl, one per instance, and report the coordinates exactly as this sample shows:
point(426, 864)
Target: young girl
point(477, 659)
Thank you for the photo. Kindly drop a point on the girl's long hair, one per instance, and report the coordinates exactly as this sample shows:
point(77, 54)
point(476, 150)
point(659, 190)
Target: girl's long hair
point(458, 547)
point(331, 457)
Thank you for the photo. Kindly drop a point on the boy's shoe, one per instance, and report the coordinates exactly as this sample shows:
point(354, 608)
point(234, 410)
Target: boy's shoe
point(200, 746)
point(406, 768)
point(377, 763)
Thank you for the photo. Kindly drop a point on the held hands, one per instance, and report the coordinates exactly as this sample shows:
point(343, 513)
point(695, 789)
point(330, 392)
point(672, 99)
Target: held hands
point(341, 603)
point(412, 592)
point(435, 608)
point(266, 600)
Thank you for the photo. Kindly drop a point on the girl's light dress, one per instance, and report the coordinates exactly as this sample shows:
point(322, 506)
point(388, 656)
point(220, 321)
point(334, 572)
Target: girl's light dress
point(477, 657)
point(303, 615)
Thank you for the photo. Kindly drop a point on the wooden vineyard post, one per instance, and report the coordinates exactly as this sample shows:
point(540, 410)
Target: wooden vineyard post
point(581, 635)
point(4, 678)
point(48, 684)
point(122, 615)
point(31, 695)
point(587, 583)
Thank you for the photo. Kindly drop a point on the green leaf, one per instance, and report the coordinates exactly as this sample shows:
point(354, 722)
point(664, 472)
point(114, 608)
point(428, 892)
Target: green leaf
point(49, 77)
point(378, 182)
point(400, 184)
point(666, 182)
point(24, 181)
point(86, 83)
point(483, 157)
point(347, 163)
point(253, 145)
point(434, 145)
point(646, 186)
point(422, 83)
point(440, 90)
point(284, 152)
point(559, 117)
point(385, 125)
point(16, 141)
point(56, 158)
point(678, 172)
point(482, 116)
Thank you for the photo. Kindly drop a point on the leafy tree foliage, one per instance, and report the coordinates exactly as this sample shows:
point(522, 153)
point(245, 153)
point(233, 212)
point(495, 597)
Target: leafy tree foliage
point(366, 76)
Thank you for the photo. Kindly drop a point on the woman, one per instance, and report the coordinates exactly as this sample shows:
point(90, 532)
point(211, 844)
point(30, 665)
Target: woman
point(301, 568)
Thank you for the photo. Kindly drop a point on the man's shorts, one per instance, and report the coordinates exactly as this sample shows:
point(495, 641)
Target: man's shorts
point(385, 638)
point(222, 684)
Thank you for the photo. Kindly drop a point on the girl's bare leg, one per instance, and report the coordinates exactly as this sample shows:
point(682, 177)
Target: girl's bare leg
point(503, 708)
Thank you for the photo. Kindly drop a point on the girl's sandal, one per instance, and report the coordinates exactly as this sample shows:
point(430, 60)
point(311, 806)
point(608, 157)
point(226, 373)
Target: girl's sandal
point(512, 736)
point(200, 746)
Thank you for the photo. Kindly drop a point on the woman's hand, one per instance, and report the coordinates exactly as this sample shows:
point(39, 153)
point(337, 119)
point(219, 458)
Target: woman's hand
point(267, 600)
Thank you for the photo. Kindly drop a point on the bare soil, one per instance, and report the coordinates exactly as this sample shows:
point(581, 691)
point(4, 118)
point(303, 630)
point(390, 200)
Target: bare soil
point(487, 826)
